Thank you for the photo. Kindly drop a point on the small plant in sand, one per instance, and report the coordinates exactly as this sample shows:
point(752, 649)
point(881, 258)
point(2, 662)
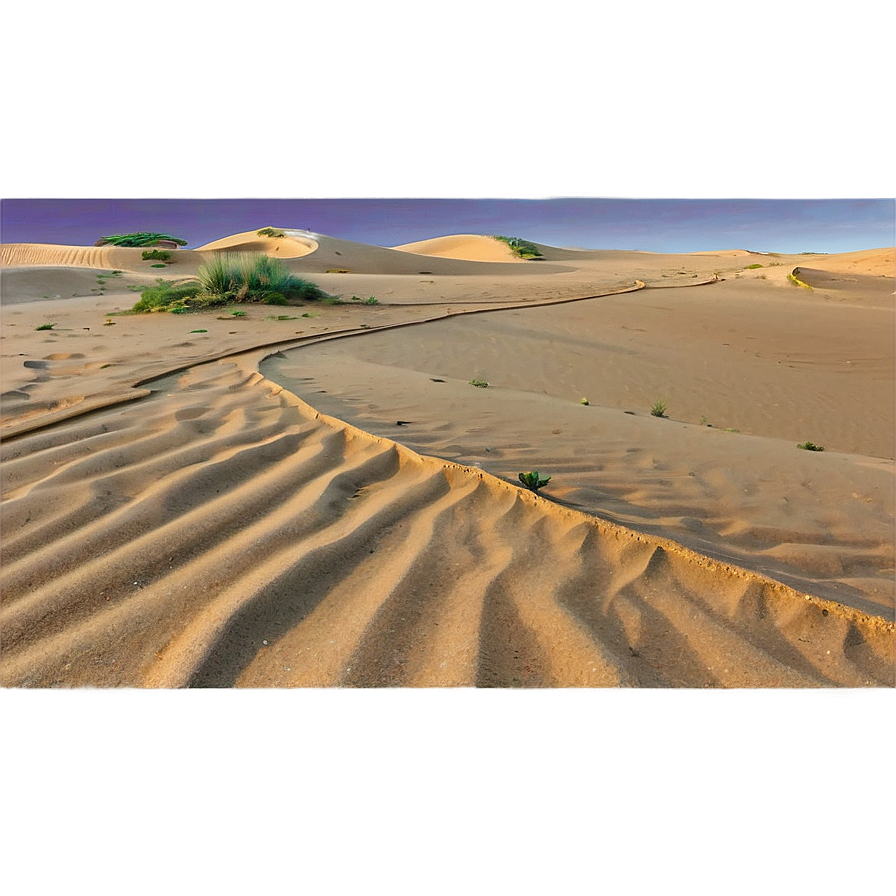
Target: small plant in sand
point(659, 408)
point(139, 239)
point(45, 327)
point(520, 248)
point(373, 300)
point(533, 480)
point(156, 255)
point(810, 446)
point(243, 277)
point(274, 232)
point(585, 402)
point(752, 267)
point(482, 384)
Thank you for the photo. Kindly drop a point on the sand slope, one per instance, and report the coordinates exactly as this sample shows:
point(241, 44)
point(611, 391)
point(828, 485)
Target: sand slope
point(466, 246)
point(219, 534)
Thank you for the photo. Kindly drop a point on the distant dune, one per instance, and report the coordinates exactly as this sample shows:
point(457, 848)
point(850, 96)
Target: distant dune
point(465, 246)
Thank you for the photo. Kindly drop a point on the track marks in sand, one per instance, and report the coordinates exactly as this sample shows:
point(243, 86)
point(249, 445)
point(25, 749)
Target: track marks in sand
point(220, 533)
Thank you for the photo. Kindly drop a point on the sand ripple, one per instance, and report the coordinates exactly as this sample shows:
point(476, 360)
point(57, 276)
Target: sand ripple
point(219, 532)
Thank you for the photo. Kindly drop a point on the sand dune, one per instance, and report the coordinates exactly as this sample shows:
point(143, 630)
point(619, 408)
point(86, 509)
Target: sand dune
point(466, 246)
point(294, 244)
point(173, 517)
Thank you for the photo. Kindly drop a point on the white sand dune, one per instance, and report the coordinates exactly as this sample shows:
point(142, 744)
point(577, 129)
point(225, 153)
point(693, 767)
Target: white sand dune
point(171, 517)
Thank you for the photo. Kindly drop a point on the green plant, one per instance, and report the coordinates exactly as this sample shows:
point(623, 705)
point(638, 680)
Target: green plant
point(156, 255)
point(270, 231)
point(585, 401)
point(331, 300)
point(521, 248)
point(810, 446)
point(157, 265)
point(752, 267)
point(45, 327)
point(238, 313)
point(199, 331)
point(658, 409)
point(533, 481)
point(373, 300)
point(138, 239)
point(254, 278)
point(482, 384)
point(167, 295)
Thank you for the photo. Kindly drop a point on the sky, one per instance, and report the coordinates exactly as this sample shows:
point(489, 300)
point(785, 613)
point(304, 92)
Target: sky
point(474, 98)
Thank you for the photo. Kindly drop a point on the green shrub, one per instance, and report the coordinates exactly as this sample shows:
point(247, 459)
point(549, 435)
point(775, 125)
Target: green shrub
point(156, 255)
point(533, 481)
point(270, 231)
point(658, 409)
point(520, 248)
point(45, 327)
point(752, 267)
point(141, 238)
point(482, 384)
point(167, 296)
point(373, 300)
point(253, 278)
point(810, 446)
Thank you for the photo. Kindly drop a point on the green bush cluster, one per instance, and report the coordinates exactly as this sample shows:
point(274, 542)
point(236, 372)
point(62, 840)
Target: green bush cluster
point(270, 231)
point(231, 279)
point(156, 255)
point(138, 239)
point(521, 248)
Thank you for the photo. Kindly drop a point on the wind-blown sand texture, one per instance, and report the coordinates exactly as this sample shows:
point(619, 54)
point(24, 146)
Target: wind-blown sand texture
point(326, 500)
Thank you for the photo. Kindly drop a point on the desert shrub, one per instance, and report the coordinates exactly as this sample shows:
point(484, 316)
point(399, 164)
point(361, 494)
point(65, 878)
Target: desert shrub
point(167, 295)
point(45, 327)
point(254, 278)
point(752, 267)
point(156, 255)
point(533, 481)
point(138, 239)
point(585, 401)
point(482, 384)
point(658, 409)
point(521, 248)
point(373, 300)
point(810, 446)
point(270, 231)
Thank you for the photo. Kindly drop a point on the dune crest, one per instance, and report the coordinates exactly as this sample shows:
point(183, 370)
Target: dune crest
point(462, 246)
point(295, 244)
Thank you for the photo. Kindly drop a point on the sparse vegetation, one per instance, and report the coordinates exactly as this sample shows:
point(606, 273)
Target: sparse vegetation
point(373, 300)
point(585, 401)
point(752, 267)
point(157, 265)
point(810, 446)
point(659, 408)
point(271, 231)
point(533, 480)
point(138, 239)
point(228, 279)
point(156, 255)
point(521, 248)
point(482, 384)
point(45, 327)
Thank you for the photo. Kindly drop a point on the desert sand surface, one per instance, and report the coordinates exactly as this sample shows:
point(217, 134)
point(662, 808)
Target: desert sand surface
point(317, 496)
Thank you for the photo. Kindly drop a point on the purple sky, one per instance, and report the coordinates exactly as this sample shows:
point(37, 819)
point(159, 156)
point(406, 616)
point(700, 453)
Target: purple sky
point(132, 98)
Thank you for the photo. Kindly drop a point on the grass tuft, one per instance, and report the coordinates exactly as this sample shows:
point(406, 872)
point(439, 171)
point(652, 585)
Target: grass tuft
point(482, 384)
point(659, 408)
point(810, 446)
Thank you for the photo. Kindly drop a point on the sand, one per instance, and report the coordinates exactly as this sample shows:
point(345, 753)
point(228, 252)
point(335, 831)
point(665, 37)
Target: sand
point(327, 501)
